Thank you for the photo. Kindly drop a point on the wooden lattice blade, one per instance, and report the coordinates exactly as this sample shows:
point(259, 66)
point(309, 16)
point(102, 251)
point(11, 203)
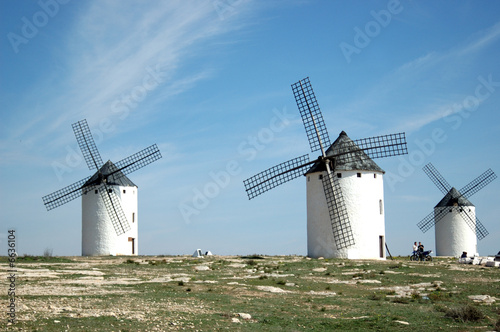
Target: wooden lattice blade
point(114, 209)
point(478, 183)
point(339, 218)
point(276, 175)
point(138, 160)
point(310, 113)
point(64, 195)
point(437, 178)
point(87, 144)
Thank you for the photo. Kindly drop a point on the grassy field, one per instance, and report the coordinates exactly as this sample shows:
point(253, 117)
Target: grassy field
point(252, 293)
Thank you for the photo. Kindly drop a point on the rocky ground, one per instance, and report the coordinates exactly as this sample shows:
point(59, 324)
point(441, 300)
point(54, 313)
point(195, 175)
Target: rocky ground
point(175, 292)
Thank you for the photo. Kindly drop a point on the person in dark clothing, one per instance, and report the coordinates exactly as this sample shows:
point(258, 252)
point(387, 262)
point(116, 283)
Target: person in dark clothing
point(421, 251)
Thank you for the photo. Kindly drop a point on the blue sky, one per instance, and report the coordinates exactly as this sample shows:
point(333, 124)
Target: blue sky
point(209, 82)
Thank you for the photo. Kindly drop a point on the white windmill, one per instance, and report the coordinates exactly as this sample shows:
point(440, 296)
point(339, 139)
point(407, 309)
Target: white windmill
point(109, 198)
point(457, 227)
point(345, 215)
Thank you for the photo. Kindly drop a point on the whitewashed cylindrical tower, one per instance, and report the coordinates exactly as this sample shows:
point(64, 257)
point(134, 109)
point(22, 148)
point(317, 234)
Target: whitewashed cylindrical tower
point(99, 237)
point(454, 232)
point(361, 181)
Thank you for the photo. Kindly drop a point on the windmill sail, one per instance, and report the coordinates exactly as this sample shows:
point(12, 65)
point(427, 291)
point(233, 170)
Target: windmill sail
point(341, 227)
point(311, 115)
point(275, 176)
point(87, 144)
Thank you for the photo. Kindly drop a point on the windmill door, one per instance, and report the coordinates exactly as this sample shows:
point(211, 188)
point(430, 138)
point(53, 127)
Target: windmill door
point(381, 243)
point(131, 239)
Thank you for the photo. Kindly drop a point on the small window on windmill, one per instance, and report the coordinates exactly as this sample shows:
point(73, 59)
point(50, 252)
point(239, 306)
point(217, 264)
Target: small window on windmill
point(381, 206)
point(375, 175)
point(96, 191)
point(124, 191)
point(320, 176)
point(308, 178)
point(110, 190)
point(359, 175)
point(133, 217)
point(339, 175)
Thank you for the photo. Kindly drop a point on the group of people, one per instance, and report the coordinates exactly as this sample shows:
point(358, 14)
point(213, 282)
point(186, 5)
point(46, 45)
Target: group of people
point(418, 250)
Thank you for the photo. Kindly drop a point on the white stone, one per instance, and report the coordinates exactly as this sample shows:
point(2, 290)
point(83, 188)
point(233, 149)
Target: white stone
point(482, 298)
point(202, 268)
point(402, 322)
point(272, 289)
point(245, 316)
point(320, 269)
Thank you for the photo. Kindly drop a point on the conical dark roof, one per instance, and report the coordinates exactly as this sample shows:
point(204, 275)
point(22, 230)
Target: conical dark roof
point(453, 198)
point(357, 160)
point(117, 178)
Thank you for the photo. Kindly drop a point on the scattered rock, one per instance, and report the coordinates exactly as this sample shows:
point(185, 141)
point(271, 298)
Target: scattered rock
point(482, 298)
point(320, 269)
point(322, 293)
point(235, 320)
point(244, 316)
point(369, 281)
point(272, 289)
point(201, 268)
point(402, 322)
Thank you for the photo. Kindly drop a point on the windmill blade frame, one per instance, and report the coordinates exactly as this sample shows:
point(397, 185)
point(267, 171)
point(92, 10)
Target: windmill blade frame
point(138, 160)
point(87, 144)
point(339, 218)
point(275, 176)
point(437, 178)
point(481, 231)
point(371, 148)
point(475, 225)
point(310, 113)
point(383, 146)
point(64, 195)
point(431, 219)
point(478, 183)
point(114, 209)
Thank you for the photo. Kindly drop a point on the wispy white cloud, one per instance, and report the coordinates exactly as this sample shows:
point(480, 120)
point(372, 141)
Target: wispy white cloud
point(427, 75)
point(482, 40)
point(115, 47)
